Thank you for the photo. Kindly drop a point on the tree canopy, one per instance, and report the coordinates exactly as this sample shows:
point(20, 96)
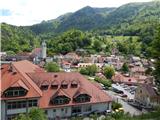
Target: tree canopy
point(125, 68)
point(89, 70)
point(52, 67)
point(109, 72)
point(34, 114)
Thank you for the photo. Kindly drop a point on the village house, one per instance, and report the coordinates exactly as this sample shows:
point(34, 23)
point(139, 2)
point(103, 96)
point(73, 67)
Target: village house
point(132, 80)
point(66, 66)
point(99, 65)
point(137, 71)
point(39, 54)
point(3, 55)
point(25, 85)
point(126, 79)
point(71, 56)
point(146, 95)
point(115, 61)
point(135, 59)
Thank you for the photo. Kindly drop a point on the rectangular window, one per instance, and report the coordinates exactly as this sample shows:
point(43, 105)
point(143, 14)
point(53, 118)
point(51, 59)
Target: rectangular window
point(74, 85)
point(16, 104)
point(46, 112)
point(54, 110)
point(15, 92)
point(64, 86)
point(87, 108)
point(66, 110)
point(76, 109)
point(54, 86)
point(32, 103)
point(44, 87)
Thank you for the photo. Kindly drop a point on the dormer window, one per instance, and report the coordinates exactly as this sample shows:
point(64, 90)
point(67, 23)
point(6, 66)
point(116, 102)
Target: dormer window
point(60, 100)
point(82, 98)
point(74, 84)
point(54, 84)
point(44, 85)
point(64, 85)
point(15, 92)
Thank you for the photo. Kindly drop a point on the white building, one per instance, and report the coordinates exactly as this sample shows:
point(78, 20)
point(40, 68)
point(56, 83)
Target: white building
point(25, 85)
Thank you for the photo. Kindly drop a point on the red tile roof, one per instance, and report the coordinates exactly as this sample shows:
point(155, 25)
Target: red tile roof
point(20, 83)
point(36, 51)
point(138, 69)
point(27, 77)
point(118, 77)
point(84, 86)
point(18, 77)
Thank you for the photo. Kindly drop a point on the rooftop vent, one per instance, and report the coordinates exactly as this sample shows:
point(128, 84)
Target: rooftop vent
point(55, 76)
point(14, 72)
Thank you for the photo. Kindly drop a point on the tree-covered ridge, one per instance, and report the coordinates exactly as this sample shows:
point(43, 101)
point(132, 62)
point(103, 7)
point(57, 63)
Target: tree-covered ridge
point(69, 41)
point(17, 38)
point(134, 19)
point(127, 19)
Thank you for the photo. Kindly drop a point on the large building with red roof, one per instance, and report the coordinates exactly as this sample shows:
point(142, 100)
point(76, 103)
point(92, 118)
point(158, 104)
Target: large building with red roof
point(25, 85)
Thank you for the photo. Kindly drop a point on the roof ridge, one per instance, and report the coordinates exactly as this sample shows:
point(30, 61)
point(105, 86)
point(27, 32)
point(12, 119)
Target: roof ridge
point(30, 80)
point(20, 80)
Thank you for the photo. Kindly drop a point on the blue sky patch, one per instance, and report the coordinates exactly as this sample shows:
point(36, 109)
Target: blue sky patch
point(5, 12)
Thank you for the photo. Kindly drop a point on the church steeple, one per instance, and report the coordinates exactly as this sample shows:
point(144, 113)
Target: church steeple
point(44, 49)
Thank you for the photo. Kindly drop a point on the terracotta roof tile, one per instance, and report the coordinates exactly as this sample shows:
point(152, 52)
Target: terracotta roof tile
point(27, 73)
point(20, 83)
point(10, 78)
point(86, 87)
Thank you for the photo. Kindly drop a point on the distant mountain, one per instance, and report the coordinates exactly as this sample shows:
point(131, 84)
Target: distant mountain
point(89, 18)
point(130, 19)
point(84, 19)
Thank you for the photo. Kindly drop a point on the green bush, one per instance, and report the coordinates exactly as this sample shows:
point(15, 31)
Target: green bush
point(52, 67)
point(89, 70)
point(116, 105)
point(107, 83)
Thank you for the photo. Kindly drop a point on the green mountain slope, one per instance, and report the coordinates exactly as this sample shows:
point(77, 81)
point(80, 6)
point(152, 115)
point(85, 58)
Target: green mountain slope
point(134, 19)
point(89, 18)
point(17, 39)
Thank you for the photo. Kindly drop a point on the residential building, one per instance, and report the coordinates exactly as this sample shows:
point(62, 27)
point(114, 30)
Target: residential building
point(120, 78)
point(99, 65)
point(39, 54)
point(137, 71)
point(146, 95)
point(25, 85)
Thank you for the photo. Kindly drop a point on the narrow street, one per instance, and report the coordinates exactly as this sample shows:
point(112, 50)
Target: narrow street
point(127, 108)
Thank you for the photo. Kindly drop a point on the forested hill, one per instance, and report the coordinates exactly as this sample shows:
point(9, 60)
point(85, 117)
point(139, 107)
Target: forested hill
point(125, 17)
point(131, 19)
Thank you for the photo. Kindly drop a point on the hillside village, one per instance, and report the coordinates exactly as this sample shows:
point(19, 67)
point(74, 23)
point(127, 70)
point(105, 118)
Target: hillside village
point(131, 84)
point(92, 64)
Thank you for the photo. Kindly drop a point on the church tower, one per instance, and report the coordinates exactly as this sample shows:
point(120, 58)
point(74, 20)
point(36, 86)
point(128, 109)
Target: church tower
point(44, 50)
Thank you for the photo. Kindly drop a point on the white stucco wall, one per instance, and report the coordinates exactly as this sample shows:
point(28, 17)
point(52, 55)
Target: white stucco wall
point(60, 113)
point(101, 106)
point(2, 110)
point(66, 112)
point(15, 111)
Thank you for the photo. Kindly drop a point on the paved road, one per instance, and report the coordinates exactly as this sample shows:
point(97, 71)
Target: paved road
point(130, 96)
point(127, 108)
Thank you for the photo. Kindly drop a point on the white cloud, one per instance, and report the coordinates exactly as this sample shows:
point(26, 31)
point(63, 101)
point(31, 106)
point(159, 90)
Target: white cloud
point(28, 12)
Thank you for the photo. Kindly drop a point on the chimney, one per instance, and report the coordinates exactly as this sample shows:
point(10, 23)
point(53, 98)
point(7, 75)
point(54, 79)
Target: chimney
point(12, 69)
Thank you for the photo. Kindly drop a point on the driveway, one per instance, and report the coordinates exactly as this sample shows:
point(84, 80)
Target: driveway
point(127, 108)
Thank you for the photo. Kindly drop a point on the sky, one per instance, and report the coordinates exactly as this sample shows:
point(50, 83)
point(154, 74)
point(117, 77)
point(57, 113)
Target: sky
point(29, 12)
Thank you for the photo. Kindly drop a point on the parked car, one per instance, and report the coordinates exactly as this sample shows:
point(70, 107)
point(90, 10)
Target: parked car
point(117, 91)
point(124, 95)
point(108, 111)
